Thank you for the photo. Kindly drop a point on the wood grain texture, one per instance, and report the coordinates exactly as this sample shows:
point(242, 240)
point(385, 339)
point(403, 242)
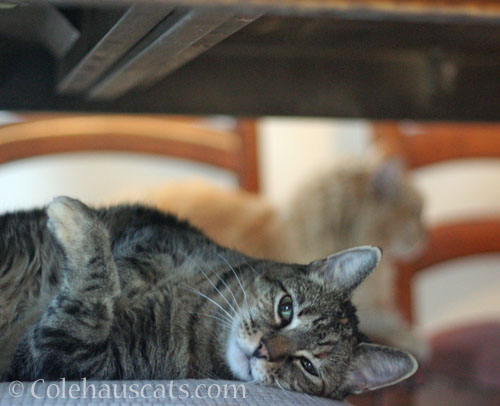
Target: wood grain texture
point(135, 23)
point(168, 41)
point(181, 37)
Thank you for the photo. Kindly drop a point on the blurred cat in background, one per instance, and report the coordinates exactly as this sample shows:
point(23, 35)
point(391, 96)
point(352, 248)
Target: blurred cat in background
point(356, 204)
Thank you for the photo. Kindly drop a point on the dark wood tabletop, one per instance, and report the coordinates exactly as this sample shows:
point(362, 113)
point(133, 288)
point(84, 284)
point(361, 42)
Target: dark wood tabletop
point(436, 60)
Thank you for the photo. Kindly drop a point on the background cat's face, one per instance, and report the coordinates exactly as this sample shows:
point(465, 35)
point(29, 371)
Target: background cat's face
point(298, 333)
point(399, 224)
point(297, 330)
point(358, 204)
point(392, 216)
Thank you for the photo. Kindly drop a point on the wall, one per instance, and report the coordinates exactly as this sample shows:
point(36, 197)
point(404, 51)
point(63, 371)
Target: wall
point(293, 150)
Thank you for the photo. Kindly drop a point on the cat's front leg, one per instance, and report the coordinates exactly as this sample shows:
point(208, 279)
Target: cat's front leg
point(72, 339)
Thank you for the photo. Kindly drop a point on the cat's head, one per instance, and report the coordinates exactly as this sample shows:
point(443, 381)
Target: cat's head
point(297, 329)
point(391, 210)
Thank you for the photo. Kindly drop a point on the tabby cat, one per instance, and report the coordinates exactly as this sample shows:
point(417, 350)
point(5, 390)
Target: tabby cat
point(130, 293)
point(359, 203)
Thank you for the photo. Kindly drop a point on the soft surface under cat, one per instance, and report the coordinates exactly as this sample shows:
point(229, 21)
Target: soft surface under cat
point(131, 293)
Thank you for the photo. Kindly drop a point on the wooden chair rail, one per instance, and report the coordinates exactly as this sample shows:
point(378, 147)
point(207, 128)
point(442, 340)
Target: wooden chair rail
point(425, 144)
point(248, 167)
point(180, 138)
point(446, 242)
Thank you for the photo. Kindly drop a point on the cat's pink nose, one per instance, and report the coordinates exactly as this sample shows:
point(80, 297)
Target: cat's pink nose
point(261, 351)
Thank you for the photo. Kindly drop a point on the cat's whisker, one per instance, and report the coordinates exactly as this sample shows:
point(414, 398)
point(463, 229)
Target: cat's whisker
point(219, 314)
point(251, 267)
point(239, 282)
point(189, 288)
point(223, 281)
point(229, 289)
point(279, 385)
point(216, 289)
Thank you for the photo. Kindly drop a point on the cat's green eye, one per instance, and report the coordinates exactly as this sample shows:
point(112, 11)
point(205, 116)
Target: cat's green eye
point(285, 309)
point(308, 366)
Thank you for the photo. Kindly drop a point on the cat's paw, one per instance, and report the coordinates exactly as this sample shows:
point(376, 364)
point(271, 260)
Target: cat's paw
point(71, 222)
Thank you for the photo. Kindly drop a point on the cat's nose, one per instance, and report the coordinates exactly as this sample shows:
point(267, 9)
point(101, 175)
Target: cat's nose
point(276, 347)
point(261, 351)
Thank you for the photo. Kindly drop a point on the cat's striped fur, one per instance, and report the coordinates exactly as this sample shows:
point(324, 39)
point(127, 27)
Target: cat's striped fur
point(131, 293)
point(354, 203)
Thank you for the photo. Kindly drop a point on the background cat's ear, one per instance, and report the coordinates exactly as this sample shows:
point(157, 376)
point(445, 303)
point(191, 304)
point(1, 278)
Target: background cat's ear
point(375, 366)
point(347, 269)
point(387, 176)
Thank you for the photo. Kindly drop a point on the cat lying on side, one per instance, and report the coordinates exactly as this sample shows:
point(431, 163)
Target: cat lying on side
point(358, 204)
point(131, 293)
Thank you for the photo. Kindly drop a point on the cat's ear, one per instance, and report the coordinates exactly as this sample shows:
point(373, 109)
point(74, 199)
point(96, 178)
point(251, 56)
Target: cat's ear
point(346, 269)
point(387, 176)
point(375, 366)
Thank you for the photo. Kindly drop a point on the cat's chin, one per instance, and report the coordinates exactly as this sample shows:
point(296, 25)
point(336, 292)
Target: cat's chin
point(237, 360)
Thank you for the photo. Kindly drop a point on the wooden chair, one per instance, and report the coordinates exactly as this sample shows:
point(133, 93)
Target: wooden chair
point(182, 137)
point(469, 355)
